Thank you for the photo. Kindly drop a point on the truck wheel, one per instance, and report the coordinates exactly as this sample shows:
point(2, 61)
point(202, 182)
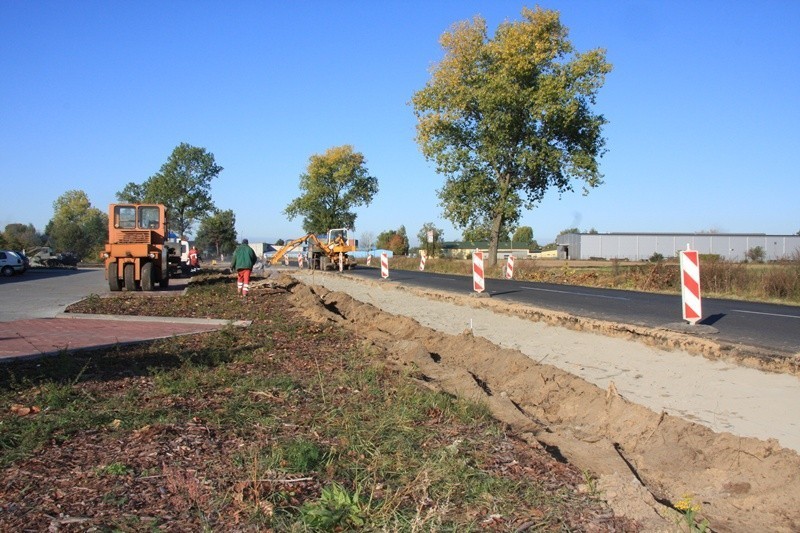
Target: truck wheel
point(147, 277)
point(130, 278)
point(113, 277)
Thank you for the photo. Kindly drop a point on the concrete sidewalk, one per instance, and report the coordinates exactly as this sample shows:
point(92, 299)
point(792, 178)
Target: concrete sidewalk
point(71, 331)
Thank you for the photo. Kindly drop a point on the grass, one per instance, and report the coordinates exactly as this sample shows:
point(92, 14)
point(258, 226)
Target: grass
point(286, 425)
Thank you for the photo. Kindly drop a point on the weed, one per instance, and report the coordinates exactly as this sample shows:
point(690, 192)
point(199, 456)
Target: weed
point(336, 508)
point(114, 469)
point(689, 510)
point(591, 483)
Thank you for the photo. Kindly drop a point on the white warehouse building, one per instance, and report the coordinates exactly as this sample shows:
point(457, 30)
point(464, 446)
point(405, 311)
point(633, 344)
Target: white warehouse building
point(642, 246)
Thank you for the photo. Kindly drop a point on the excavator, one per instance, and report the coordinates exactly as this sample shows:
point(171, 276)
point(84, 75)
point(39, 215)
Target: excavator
point(329, 254)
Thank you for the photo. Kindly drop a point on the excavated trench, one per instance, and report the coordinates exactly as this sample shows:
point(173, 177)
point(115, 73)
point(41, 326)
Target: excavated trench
point(643, 461)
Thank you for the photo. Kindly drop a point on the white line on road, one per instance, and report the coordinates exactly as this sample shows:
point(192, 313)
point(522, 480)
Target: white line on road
point(576, 293)
point(759, 313)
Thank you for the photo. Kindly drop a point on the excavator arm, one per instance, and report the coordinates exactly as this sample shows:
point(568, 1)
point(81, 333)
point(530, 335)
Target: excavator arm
point(291, 245)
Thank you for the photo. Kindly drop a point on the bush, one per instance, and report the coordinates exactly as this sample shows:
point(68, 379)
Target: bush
point(781, 282)
point(756, 254)
point(723, 277)
point(656, 258)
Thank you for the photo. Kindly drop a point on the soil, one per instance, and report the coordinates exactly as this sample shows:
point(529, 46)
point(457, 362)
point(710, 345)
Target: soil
point(646, 457)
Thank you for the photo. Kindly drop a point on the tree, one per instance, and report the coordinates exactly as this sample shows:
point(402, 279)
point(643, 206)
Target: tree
point(334, 183)
point(396, 241)
point(430, 238)
point(523, 235)
point(21, 237)
point(367, 240)
point(183, 184)
point(76, 226)
point(506, 119)
point(483, 232)
point(568, 231)
point(218, 231)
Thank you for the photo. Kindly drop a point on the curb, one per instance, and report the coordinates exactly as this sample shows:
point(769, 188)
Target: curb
point(140, 318)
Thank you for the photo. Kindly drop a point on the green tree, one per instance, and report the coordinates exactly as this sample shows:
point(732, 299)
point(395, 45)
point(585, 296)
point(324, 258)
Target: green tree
point(218, 232)
point(506, 119)
point(76, 226)
point(523, 236)
point(334, 183)
point(482, 232)
point(568, 231)
point(430, 238)
point(183, 184)
point(21, 237)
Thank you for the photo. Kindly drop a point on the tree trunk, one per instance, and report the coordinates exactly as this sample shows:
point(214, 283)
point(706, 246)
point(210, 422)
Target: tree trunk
point(504, 181)
point(494, 239)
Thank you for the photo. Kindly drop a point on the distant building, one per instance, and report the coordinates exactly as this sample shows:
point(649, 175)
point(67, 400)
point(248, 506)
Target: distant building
point(263, 250)
point(464, 249)
point(642, 246)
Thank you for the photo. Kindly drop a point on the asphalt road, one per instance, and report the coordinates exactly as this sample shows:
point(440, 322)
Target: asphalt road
point(771, 326)
point(43, 293)
point(46, 292)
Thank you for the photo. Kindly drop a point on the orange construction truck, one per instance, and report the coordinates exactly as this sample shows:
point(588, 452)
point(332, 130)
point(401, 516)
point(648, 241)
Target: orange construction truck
point(137, 255)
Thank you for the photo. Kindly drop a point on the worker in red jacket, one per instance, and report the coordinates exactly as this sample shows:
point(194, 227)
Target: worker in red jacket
point(194, 258)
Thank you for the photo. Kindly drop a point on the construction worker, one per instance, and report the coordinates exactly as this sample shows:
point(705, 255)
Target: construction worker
point(194, 258)
point(243, 260)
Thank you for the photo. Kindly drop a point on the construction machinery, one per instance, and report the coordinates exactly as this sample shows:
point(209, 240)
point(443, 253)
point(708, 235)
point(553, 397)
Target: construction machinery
point(330, 253)
point(137, 255)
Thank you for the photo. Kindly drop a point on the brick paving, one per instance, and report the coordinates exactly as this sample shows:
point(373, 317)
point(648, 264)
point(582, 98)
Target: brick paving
point(43, 336)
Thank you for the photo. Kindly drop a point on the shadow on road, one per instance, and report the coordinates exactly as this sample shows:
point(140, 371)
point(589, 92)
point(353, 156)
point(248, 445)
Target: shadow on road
point(40, 273)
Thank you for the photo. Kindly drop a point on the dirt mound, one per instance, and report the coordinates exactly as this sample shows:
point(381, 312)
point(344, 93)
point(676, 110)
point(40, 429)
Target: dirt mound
point(644, 461)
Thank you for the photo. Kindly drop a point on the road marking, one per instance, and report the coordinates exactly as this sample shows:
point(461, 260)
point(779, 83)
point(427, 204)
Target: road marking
point(576, 293)
point(767, 314)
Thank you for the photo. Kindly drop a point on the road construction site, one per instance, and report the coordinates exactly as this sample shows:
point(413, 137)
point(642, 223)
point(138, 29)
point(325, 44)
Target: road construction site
point(655, 416)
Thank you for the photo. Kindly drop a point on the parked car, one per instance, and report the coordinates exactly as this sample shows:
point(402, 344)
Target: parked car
point(11, 263)
point(25, 261)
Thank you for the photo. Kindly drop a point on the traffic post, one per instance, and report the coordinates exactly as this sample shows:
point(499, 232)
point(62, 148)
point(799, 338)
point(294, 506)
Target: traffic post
point(384, 265)
point(422, 258)
point(510, 267)
point(478, 283)
point(690, 286)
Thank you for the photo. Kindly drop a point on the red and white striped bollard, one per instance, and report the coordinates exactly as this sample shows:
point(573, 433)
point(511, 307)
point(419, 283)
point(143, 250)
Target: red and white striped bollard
point(478, 283)
point(384, 265)
point(690, 286)
point(422, 257)
point(510, 267)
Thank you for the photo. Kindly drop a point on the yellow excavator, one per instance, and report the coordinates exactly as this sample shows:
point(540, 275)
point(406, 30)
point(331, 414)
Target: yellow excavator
point(332, 253)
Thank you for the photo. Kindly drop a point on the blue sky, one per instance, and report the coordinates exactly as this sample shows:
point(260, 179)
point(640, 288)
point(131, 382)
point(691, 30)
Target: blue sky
point(703, 133)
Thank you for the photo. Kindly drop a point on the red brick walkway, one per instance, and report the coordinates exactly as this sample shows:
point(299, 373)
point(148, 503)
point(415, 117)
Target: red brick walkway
point(34, 337)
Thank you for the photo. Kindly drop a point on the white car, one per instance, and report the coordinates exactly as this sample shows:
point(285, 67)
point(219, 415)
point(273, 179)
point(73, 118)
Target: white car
point(11, 263)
